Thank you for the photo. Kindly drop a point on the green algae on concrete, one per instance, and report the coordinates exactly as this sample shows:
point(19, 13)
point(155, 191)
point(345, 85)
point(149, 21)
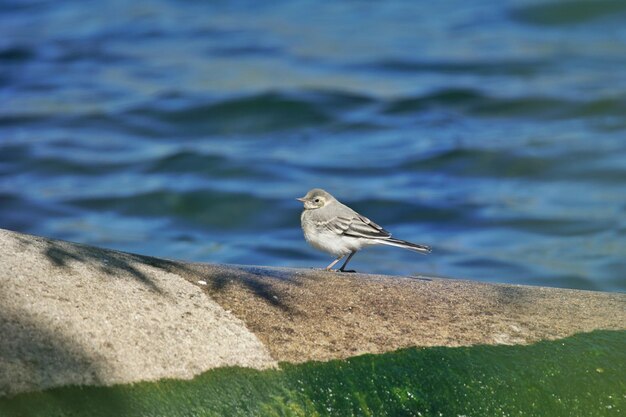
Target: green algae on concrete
point(582, 375)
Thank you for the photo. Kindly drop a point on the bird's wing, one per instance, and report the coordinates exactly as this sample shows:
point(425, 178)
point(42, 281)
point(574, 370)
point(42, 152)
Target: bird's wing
point(354, 226)
point(337, 225)
point(361, 226)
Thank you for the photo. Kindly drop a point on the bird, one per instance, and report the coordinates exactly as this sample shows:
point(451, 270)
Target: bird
point(335, 228)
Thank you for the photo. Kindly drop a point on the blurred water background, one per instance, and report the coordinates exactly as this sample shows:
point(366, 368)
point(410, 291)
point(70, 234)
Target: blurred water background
point(494, 131)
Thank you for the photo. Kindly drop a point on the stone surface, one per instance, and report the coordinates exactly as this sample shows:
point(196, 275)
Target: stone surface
point(306, 315)
point(74, 314)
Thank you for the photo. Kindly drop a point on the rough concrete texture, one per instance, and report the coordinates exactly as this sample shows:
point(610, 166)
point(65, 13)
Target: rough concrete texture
point(77, 314)
point(72, 314)
point(306, 315)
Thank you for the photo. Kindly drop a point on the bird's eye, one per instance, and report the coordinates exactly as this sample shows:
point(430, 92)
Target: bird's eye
point(317, 200)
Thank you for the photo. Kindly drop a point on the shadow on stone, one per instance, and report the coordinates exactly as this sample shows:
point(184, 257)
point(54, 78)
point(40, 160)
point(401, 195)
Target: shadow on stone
point(515, 296)
point(38, 352)
point(41, 354)
point(61, 254)
point(258, 281)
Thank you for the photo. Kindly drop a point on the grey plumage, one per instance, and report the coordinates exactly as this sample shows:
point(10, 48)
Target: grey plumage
point(335, 228)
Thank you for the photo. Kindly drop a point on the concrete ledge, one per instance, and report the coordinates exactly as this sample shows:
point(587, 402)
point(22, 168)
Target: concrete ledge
point(74, 314)
point(304, 315)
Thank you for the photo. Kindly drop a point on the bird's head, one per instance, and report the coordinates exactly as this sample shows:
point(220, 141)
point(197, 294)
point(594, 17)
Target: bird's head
point(316, 198)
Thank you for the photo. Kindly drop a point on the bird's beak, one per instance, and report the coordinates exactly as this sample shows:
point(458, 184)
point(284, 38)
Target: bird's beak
point(301, 199)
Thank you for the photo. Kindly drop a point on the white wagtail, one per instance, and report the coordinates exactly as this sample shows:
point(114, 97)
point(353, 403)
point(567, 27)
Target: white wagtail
point(335, 228)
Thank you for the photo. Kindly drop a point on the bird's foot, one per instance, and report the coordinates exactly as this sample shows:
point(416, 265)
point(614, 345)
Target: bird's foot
point(346, 270)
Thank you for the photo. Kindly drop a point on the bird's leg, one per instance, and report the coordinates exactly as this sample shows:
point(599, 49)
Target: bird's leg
point(329, 267)
point(343, 267)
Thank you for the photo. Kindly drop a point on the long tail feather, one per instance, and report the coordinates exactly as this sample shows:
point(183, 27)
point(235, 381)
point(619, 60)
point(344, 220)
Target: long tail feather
point(406, 245)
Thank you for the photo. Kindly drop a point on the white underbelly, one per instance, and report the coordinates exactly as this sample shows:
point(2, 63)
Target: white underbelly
point(332, 243)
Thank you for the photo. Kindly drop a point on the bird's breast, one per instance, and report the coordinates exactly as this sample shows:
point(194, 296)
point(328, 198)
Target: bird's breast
point(327, 241)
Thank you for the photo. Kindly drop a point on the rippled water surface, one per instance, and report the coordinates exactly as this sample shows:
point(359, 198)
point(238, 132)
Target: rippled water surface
point(493, 131)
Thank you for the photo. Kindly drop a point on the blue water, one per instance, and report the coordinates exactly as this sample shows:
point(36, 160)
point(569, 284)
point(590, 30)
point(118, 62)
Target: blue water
point(494, 131)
